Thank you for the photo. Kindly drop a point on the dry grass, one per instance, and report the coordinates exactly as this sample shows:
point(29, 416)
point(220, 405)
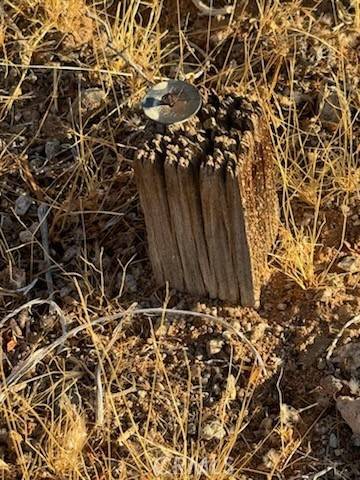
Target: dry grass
point(57, 405)
point(64, 420)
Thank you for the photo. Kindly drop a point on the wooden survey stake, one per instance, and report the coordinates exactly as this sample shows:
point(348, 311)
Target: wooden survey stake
point(209, 200)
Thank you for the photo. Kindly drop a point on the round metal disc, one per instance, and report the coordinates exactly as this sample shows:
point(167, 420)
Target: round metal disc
point(171, 101)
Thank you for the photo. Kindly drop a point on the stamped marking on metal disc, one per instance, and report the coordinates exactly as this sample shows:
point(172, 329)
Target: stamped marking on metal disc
point(171, 101)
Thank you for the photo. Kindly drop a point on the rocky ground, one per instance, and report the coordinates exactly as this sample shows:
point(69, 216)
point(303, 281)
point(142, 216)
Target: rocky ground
point(98, 380)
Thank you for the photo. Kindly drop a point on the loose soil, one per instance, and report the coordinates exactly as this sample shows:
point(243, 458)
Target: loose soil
point(67, 138)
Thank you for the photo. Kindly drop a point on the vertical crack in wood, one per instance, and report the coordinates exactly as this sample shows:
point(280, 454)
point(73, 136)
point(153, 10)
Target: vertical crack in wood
point(243, 271)
point(163, 249)
point(206, 186)
point(213, 228)
point(177, 172)
point(188, 179)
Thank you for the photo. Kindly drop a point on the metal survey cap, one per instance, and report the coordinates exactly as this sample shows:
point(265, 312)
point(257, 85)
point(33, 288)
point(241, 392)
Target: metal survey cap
point(171, 101)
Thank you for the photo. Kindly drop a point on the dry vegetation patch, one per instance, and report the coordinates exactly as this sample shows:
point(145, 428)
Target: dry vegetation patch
point(93, 388)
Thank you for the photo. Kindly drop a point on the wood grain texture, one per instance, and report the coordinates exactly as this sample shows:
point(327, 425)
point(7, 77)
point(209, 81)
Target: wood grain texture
point(210, 203)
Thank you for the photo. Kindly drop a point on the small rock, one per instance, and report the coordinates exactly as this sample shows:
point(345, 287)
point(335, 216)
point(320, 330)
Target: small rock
point(22, 204)
point(216, 389)
point(65, 291)
point(69, 300)
point(348, 356)
point(70, 253)
point(271, 458)
point(210, 123)
point(214, 311)
point(214, 429)
point(354, 386)
point(26, 236)
point(258, 331)
point(308, 217)
point(322, 428)
point(142, 394)
point(204, 381)
point(227, 334)
point(6, 224)
point(331, 385)
point(92, 99)
point(355, 440)
point(331, 109)
point(266, 425)
point(51, 148)
point(326, 295)
point(345, 210)
point(201, 307)
point(350, 263)
point(192, 429)
point(281, 306)
point(288, 414)
point(248, 327)
point(349, 409)
point(214, 346)
point(321, 363)
point(130, 282)
point(333, 441)
point(36, 163)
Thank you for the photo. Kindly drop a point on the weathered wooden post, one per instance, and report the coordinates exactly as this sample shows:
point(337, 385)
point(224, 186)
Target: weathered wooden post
point(209, 200)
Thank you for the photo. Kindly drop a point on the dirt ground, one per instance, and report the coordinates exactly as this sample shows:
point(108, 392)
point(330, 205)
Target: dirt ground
point(98, 380)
